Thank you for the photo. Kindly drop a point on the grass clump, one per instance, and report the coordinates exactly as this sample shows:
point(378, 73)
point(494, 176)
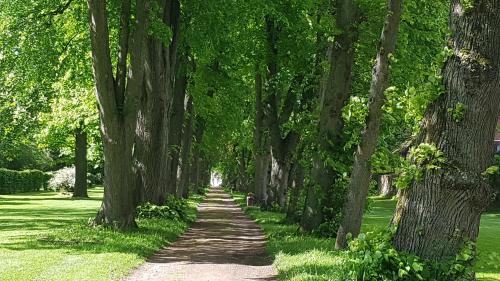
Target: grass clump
point(302, 257)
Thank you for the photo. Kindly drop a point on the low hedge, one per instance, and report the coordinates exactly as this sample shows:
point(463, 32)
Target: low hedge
point(22, 181)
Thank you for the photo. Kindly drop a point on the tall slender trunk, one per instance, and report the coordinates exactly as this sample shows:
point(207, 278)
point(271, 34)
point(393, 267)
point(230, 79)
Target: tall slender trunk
point(118, 107)
point(436, 214)
point(197, 155)
point(175, 132)
point(334, 93)
point(187, 137)
point(361, 171)
point(261, 144)
point(80, 189)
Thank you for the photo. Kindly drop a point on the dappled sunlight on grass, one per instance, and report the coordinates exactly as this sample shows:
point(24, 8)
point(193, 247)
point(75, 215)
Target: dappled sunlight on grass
point(45, 236)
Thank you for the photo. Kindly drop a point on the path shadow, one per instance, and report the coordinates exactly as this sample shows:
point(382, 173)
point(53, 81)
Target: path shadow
point(222, 234)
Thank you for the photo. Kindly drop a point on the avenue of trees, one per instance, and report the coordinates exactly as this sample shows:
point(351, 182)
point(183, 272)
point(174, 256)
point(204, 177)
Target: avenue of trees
point(303, 104)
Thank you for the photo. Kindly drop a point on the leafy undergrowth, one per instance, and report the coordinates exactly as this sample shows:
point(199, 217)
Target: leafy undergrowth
point(44, 236)
point(301, 257)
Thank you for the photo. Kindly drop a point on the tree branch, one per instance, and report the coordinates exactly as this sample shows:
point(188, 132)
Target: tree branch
point(103, 73)
point(121, 66)
point(58, 11)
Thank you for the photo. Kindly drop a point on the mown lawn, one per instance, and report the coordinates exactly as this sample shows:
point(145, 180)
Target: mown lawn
point(300, 257)
point(44, 236)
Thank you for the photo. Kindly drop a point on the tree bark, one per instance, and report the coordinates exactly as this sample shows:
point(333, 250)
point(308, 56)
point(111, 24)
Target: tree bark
point(361, 171)
point(386, 188)
point(282, 148)
point(334, 93)
point(175, 132)
point(161, 66)
point(80, 189)
point(436, 214)
point(296, 183)
point(187, 137)
point(261, 144)
point(117, 111)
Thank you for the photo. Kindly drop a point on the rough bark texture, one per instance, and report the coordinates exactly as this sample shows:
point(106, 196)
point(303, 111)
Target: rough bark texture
point(80, 189)
point(334, 92)
point(386, 188)
point(277, 114)
point(296, 184)
point(118, 109)
point(261, 145)
point(187, 137)
point(436, 214)
point(175, 130)
point(361, 170)
point(161, 64)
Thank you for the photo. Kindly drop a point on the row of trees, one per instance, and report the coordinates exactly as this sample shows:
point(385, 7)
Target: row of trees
point(299, 102)
point(318, 137)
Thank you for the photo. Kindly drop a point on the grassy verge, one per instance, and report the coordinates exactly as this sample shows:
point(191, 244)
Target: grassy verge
point(44, 236)
point(300, 257)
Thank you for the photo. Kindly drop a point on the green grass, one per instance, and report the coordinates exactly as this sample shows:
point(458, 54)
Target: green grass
point(300, 257)
point(45, 236)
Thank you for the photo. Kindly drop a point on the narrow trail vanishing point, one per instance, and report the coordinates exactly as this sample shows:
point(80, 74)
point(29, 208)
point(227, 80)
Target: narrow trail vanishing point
point(222, 245)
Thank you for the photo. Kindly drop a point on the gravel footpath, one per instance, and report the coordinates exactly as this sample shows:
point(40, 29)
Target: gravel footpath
point(222, 245)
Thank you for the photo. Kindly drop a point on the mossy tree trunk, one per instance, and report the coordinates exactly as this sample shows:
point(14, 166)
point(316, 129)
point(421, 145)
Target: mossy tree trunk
point(436, 214)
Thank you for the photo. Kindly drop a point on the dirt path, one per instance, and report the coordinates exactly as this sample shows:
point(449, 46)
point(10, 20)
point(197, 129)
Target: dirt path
point(222, 245)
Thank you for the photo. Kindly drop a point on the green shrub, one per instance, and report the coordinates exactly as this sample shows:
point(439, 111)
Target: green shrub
point(173, 209)
point(22, 181)
point(372, 257)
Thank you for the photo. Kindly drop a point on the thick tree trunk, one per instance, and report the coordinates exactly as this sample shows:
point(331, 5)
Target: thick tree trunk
point(175, 132)
point(261, 145)
point(187, 137)
point(436, 214)
point(117, 113)
point(80, 189)
point(361, 171)
point(161, 66)
point(296, 183)
point(335, 91)
point(280, 170)
point(386, 188)
point(276, 115)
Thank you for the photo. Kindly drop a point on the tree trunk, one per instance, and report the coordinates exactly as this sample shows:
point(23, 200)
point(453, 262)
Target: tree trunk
point(117, 113)
point(296, 183)
point(386, 188)
point(187, 137)
point(436, 214)
point(275, 116)
point(361, 171)
point(80, 189)
point(334, 93)
point(261, 145)
point(175, 130)
point(161, 66)
point(280, 170)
